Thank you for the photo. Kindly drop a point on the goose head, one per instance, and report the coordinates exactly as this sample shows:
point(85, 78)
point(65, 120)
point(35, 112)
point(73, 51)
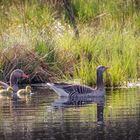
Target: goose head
point(10, 89)
point(101, 69)
point(18, 73)
point(28, 89)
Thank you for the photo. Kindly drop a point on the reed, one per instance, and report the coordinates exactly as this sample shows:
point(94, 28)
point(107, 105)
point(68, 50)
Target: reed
point(113, 48)
point(33, 38)
point(119, 10)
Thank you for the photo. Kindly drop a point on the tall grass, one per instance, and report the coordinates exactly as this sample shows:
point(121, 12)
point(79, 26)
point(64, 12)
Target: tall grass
point(25, 31)
point(113, 48)
point(118, 9)
point(32, 38)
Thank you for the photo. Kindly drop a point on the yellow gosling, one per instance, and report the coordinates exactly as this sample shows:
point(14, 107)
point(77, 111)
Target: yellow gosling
point(6, 92)
point(23, 92)
point(1, 87)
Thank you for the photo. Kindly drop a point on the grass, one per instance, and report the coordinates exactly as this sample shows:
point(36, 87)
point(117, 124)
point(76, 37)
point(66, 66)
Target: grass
point(112, 48)
point(119, 10)
point(34, 39)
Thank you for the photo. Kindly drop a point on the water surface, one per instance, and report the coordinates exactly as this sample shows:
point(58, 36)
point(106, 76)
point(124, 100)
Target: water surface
point(45, 116)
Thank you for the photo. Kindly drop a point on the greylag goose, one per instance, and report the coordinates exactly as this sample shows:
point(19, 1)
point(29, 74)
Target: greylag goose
point(69, 90)
point(14, 77)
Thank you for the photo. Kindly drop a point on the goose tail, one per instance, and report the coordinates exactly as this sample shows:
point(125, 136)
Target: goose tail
point(50, 85)
point(59, 90)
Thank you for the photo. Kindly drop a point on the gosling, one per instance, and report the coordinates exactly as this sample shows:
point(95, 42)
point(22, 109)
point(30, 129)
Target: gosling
point(6, 92)
point(24, 92)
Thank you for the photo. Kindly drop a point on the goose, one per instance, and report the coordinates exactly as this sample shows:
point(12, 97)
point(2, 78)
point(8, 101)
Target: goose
point(6, 92)
point(14, 77)
point(24, 92)
point(72, 90)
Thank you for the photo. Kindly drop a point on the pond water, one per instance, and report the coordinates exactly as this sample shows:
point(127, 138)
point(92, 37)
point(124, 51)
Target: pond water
point(44, 116)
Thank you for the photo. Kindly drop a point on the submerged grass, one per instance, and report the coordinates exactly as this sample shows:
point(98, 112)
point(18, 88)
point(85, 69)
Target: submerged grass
point(34, 39)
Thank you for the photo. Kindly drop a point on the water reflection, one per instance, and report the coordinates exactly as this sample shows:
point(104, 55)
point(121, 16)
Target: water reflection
point(45, 116)
point(79, 102)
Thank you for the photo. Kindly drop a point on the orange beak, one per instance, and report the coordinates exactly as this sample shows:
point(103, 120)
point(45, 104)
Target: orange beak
point(25, 76)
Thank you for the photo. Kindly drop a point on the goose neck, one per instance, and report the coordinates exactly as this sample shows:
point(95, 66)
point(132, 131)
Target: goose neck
point(99, 80)
point(13, 80)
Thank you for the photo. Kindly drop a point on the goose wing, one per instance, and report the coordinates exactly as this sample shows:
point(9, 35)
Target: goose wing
point(75, 89)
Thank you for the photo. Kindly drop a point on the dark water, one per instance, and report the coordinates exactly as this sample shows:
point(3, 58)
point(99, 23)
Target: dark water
point(45, 117)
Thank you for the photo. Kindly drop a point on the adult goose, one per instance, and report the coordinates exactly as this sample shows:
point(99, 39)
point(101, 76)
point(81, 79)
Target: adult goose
point(14, 78)
point(70, 90)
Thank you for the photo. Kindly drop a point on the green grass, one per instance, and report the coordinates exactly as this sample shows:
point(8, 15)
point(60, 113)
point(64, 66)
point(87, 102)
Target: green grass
point(119, 10)
point(109, 35)
point(118, 50)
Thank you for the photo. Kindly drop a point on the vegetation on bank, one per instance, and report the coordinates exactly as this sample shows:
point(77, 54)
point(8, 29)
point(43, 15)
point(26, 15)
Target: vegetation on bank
point(37, 37)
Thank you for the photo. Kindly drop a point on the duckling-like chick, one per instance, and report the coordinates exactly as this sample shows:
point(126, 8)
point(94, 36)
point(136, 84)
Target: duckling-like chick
point(6, 92)
point(1, 87)
point(24, 92)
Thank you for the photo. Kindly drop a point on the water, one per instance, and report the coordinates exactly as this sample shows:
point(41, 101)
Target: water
point(46, 117)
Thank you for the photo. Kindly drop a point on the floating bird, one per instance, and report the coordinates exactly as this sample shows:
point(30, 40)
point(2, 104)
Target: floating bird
point(14, 77)
point(24, 92)
point(70, 90)
point(6, 92)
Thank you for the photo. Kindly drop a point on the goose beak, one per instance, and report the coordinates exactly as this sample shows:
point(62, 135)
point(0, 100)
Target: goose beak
point(25, 76)
point(107, 67)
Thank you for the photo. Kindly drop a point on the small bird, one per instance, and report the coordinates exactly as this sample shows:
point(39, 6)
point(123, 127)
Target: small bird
point(6, 92)
point(1, 87)
point(24, 92)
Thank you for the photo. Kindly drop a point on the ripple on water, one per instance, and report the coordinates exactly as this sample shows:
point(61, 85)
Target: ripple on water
point(44, 116)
